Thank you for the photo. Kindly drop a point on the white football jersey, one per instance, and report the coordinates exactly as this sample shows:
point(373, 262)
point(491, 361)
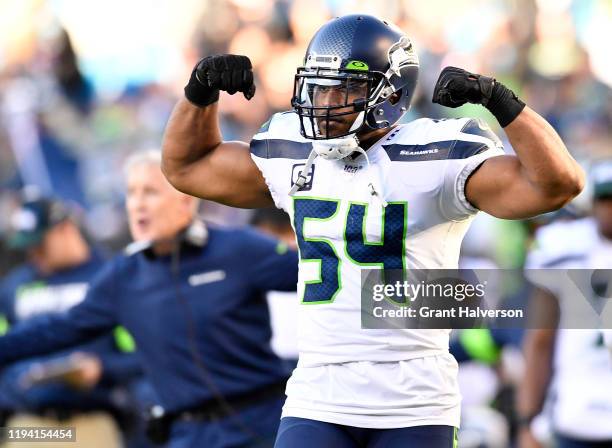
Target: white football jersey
point(582, 383)
point(283, 308)
point(420, 169)
point(375, 378)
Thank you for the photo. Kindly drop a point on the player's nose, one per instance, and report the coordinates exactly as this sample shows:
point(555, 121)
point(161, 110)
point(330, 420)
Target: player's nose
point(333, 97)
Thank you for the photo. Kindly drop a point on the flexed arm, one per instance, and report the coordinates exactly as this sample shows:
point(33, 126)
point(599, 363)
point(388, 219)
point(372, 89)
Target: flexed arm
point(196, 160)
point(542, 177)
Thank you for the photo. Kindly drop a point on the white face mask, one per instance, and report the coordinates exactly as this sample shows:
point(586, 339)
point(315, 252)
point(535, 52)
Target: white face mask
point(339, 94)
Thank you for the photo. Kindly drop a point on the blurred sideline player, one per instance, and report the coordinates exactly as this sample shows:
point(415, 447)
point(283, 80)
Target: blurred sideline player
point(193, 297)
point(68, 388)
point(361, 190)
point(571, 366)
point(284, 306)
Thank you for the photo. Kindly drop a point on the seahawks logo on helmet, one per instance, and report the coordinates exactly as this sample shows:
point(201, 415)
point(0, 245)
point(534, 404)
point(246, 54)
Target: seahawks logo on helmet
point(356, 65)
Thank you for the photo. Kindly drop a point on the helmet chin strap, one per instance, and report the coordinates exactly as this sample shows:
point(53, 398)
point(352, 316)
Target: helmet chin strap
point(301, 180)
point(337, 149)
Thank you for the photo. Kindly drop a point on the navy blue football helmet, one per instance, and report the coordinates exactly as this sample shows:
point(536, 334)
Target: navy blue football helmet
point(356, 65)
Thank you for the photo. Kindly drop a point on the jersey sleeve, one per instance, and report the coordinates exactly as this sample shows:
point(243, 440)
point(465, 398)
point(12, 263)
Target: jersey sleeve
point(473, 144)
point(260, 154)
point(279, 151)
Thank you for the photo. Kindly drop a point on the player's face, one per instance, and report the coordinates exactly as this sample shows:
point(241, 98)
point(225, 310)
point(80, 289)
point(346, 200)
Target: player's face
point(156, 211)
point(602, 211)
point(343, 93)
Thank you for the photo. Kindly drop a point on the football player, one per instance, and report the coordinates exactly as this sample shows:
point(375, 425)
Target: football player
point(568, 375)
point(362, 190)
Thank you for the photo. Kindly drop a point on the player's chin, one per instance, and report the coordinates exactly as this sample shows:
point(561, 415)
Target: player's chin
point(333, 129)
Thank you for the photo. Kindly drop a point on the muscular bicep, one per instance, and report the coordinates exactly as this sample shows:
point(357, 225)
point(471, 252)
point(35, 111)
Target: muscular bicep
point(500, 188)
point(227, 175)
point(198, 162)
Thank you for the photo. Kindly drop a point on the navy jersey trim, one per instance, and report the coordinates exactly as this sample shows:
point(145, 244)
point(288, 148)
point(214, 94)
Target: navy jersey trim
point(475, 126)
point(280, 149)
point(450, 149)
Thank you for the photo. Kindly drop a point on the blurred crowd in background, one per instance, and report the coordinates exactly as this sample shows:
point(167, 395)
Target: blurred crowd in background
point(84, 84)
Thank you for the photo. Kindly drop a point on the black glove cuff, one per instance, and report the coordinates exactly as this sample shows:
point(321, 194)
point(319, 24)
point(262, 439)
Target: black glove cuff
point(504, 104)
point(198, 94)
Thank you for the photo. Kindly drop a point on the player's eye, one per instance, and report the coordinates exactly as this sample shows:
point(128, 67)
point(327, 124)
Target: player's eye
point(357, 88)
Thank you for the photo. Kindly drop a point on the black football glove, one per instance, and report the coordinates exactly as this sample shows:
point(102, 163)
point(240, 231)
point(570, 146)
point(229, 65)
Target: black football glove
point(456, 86)
point(229, 72)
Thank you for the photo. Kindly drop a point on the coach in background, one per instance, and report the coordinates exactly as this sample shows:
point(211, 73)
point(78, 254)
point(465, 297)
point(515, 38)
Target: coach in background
point(69, 388)
point(194, 300)
point(571, 366)
point(284, 305)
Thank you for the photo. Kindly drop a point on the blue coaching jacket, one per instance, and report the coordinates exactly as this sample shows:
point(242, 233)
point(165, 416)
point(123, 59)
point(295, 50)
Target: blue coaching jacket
point(27, 295)
point(212, 298)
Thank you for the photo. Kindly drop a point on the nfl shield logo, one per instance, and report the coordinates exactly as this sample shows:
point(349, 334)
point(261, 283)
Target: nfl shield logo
point(295, 172)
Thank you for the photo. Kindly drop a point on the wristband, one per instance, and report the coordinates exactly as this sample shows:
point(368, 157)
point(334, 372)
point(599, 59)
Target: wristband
point(504, 104)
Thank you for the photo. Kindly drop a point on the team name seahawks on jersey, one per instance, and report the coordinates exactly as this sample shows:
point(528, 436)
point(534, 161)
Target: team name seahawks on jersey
point(420, 169)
